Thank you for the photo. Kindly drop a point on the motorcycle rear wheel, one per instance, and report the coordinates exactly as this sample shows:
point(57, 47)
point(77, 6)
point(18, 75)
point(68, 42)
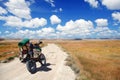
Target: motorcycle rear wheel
point(42, 59)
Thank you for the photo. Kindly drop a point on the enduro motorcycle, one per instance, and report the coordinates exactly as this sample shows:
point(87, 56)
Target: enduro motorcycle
point(31, 61)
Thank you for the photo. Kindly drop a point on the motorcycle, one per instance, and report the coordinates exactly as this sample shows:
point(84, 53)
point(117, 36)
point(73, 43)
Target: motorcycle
point(31, 61)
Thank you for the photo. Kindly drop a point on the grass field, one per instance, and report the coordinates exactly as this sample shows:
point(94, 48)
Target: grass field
point(98, 60)
point(8, 50)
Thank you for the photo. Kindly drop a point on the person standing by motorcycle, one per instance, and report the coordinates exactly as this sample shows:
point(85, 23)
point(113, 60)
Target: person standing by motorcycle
point(37, 45)
point(30, 49)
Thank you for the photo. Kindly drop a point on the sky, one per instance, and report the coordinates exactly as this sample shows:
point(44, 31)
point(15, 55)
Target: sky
point(59, 19)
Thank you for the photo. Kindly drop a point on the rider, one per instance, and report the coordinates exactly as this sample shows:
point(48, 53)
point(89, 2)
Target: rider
point(30, 48)
point(36, 45)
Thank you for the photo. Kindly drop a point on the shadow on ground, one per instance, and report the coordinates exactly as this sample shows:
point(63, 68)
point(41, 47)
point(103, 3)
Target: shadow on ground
point(44, 68)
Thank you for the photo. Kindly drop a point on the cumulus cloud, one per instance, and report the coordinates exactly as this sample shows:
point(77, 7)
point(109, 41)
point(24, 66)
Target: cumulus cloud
point(78, 28)
point(112, 4)
point(85, 29)
point(68, 26)
point(48, 30)
point(11, 21)
point(72, 29)
point(71, 25)
point(35, 22)
point(101, 22)
point(19, 8)
point(93, 3)
point(20, 15)
point(55, 20)
point(116, 16)
point(2, 11)
point(32, 34)
point(105, 32)
point(102, 30)
point(51, 2)
point(14, 21)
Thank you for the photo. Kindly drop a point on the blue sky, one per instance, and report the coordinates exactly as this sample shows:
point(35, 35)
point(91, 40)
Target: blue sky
point(58, 19)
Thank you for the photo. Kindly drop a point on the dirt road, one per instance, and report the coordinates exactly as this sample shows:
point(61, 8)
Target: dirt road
point(55, 69)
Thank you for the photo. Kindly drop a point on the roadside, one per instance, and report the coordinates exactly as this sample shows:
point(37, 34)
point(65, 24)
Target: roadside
point(55, 70)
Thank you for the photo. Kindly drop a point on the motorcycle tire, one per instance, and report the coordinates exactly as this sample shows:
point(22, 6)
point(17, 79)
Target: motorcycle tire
point(31, 66)
point(42, 59)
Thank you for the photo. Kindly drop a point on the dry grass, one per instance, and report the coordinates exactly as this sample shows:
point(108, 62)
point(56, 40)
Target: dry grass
point(71, 62)
point(7, 50)
point(98, 60)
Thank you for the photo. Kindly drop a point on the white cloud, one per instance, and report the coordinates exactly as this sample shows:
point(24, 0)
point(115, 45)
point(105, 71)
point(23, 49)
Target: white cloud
point(105, 32)
point(93, 3)
point(21, 34)
point(85, 29)
point(14, 21)
point(57, 10)
point(19, 8)
point(78, 28)
point(11, 21)
point(35, 22)
point(78, 24)
point(101, 22)
point(112, 4)
point(72, 29)
point(102, 30)
point(116, 16)
point(48, 30)
point(22, 18)
point(2, 11)
point(33, 34)
point(55, 20)
point(51, 2)
point(7, 32)
point(68, 26)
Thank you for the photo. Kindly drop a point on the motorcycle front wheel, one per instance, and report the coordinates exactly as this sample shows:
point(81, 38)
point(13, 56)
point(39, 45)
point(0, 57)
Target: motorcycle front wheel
point(31, 66)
